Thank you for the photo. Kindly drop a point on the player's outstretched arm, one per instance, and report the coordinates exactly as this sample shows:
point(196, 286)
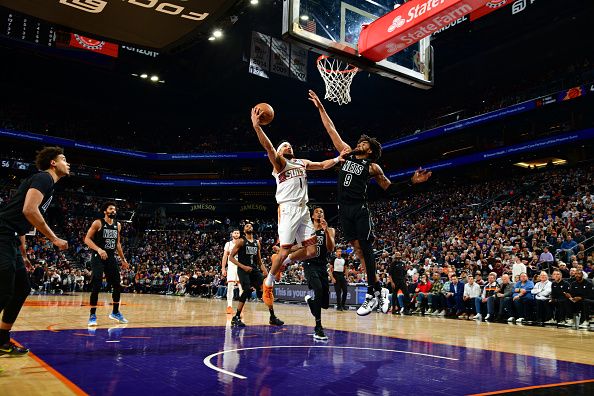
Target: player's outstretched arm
point(311, 165)
point(339, 144)
point(277, 161)
point(421, 175)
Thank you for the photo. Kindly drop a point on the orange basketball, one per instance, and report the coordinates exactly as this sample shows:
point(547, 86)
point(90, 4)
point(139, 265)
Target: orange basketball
point(266, 113)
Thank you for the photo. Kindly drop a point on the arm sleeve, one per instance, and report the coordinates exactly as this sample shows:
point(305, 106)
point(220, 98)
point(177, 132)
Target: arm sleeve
point(395, 188)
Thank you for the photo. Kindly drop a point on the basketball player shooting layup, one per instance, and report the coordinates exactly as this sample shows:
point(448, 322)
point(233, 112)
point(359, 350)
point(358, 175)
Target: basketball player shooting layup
point(294, 222)
point(353, 176)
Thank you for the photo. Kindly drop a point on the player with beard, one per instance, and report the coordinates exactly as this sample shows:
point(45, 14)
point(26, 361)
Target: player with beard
point(230, 270)
point(294, 222)
point(359, 166)
point(251, 271)
point(22, 212)
point(316, 271)
point(104, 238)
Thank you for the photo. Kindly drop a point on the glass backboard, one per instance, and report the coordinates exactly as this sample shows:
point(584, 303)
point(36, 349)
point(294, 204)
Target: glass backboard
point(333, 26)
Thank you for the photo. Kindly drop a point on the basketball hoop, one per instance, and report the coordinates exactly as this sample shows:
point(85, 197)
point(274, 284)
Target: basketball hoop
point(338, 76)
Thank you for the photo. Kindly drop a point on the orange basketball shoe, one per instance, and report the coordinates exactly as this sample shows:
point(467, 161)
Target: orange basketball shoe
point(267, 295)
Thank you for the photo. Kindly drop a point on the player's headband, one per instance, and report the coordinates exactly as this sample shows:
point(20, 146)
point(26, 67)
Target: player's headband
point(280, 146)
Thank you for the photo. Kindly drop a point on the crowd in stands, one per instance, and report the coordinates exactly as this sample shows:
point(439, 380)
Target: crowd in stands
point(234, 132)
point(483, 236)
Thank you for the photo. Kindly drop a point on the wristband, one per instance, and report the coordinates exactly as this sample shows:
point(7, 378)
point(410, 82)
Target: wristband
point(336, 160)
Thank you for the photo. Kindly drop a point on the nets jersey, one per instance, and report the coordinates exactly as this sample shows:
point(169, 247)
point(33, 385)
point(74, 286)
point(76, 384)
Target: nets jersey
point(321, 250)
point(229, 248)
point(248, 254)
point(107, 237)
point(291, 183)
point(352, 180)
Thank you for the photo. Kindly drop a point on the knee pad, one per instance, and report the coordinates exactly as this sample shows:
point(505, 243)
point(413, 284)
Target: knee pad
point(245, 295)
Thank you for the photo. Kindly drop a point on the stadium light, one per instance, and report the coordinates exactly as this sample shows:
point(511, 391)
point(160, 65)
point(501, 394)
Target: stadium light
point(253, 2)
point(154, 78)
point(217, 33)
point(144, 75)
point(211, 38)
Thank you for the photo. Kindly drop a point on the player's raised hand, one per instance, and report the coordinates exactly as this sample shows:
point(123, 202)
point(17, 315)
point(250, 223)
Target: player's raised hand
point(256, 112)
point(420, 176)
point(315, 100)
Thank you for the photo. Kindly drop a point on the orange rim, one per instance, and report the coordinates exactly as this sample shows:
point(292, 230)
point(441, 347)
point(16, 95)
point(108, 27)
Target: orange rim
point(353, 69)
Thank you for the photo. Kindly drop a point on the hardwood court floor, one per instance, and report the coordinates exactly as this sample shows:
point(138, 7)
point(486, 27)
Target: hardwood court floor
point(54, 327)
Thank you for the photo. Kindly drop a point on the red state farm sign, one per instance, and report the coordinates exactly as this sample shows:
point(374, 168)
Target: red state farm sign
point(410, 23)
point(101, 47)
point(492, 5)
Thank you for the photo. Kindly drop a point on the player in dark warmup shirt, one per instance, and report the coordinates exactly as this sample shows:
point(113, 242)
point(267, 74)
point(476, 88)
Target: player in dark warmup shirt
point(250, 271)
point(23, 212)
point(104, 238)
point(354, 174)
point(316, 271)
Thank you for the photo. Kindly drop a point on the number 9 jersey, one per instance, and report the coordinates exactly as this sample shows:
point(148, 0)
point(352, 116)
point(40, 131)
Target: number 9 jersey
point(352, 181)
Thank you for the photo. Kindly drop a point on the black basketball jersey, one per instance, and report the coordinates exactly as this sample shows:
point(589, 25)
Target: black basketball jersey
point(352, 180)
point(321, 257)
point(12, 216)
point(248, 253)
point(397, 270)
point(107, 237)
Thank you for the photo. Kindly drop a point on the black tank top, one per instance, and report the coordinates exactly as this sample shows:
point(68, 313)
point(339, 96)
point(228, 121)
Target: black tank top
point(352, 181)
point(321, 257)
point(248, 253)
point(107, 237)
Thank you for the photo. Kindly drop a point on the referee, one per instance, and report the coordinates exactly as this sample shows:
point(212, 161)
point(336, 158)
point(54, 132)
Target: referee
point(337, 270)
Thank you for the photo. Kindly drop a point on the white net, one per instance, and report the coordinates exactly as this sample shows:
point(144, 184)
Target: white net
point(338, 76)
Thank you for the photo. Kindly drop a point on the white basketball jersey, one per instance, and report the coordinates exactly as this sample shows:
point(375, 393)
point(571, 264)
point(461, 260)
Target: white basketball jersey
point(229, 248)
point(291, 183)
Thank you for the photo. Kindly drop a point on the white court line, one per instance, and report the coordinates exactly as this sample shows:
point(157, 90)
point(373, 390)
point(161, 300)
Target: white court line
point(220, 370)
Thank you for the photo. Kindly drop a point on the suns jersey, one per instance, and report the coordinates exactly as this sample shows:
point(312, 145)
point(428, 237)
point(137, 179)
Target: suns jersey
point(291, 183)
point(229, 248)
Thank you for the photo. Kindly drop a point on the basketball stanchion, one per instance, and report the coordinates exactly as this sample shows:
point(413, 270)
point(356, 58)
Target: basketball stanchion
point(338, 76)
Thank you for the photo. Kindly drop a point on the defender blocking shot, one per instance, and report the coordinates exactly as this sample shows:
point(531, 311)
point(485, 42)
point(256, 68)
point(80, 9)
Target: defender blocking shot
point(355, 218)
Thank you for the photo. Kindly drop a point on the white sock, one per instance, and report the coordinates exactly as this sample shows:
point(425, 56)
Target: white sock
point(287, 260)
point(269, 281)
point(230, 288)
